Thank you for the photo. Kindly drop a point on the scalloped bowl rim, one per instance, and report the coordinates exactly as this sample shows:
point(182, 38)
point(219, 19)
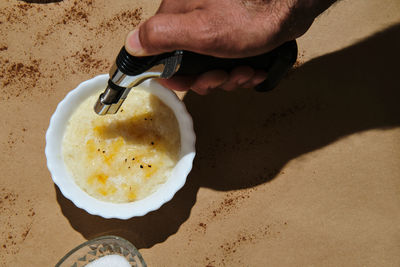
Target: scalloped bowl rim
point(64, 180)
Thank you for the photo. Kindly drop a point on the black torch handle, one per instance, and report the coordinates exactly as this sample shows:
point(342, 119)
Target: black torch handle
point(276, 63)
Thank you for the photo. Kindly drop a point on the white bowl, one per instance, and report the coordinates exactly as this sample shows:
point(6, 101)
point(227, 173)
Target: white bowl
point(64, 180)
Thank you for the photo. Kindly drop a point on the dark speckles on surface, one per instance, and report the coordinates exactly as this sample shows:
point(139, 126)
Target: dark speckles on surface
point(14, 230)
point(23, 77)
point(127, 19)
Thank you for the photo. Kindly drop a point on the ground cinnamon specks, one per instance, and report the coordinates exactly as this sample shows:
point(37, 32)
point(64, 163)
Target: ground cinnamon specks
point(231, 200)
point(245, 237)
point(203, 225)
point(15, 138)
point(85, 61)
point(125, 20)
point(78, 12)
point(74, 13)
point(277, 117)
point(22, 75)
point(11, 140)
point(14, 230)
point(24, 6)
point(299, 61)
point(15, 14)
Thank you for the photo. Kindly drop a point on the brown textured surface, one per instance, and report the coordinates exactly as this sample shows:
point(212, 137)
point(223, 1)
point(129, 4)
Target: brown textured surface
point(308, 174)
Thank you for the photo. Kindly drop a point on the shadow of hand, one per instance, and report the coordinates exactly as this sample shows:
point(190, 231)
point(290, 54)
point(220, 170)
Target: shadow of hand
point(244, 138)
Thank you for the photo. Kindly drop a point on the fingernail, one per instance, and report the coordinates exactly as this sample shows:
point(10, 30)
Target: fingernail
point(133, 44)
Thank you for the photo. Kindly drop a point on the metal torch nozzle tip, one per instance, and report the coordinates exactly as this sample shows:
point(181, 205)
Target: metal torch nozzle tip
point(100, 108)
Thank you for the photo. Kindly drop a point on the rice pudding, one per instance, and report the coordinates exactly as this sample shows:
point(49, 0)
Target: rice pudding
point(122, 157)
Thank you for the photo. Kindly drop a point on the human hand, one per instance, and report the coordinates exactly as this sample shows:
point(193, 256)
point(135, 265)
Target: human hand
point(223, 28)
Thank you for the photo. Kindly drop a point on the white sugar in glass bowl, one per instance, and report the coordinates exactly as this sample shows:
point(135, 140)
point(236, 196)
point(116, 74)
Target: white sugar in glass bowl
point(64, 180)
point(100, 248)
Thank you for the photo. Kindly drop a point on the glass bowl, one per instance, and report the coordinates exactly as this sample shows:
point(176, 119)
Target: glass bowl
point(99, 247)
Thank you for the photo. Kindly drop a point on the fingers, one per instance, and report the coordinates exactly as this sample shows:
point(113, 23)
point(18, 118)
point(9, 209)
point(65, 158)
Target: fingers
point(258, 77)
point(209, 80)
point(240, 77)
point(201, 84)
point(178, 83)
point(237, 77)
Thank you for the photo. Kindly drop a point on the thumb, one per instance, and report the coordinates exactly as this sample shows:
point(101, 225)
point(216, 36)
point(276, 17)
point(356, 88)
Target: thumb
point(167, 32)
